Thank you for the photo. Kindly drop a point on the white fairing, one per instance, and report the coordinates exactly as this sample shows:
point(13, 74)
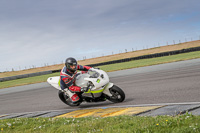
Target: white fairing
point(98, 78)
point(106, 89)
point(54, 82)
point(80, 80)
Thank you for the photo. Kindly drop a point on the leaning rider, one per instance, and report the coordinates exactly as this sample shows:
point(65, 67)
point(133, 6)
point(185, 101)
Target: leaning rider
point(68, 77)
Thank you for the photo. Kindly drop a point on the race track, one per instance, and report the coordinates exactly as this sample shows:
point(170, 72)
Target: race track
point(177, 82)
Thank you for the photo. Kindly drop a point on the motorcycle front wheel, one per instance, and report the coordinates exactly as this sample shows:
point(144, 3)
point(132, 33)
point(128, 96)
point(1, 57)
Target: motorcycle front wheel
point(117, 94)
point(65, 99)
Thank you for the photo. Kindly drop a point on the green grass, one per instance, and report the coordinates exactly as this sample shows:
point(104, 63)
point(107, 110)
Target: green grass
point(120, 124)
point(109, 68)
point(152, 61)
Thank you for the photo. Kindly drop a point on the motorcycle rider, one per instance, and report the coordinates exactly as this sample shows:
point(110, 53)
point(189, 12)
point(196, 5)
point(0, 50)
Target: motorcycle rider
point(68, 77)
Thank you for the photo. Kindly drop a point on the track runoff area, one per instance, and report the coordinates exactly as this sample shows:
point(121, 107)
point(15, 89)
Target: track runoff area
point(178, 71)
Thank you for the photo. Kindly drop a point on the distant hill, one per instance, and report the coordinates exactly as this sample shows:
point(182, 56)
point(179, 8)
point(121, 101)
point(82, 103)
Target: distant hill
point(109, 58)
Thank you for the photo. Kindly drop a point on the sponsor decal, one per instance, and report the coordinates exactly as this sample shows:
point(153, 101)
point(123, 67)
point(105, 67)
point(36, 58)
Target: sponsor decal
point(98, 80)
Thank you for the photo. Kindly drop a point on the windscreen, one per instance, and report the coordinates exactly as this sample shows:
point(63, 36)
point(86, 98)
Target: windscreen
point(93, 74)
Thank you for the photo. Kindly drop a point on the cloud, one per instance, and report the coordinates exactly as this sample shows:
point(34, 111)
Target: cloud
point(48, 31)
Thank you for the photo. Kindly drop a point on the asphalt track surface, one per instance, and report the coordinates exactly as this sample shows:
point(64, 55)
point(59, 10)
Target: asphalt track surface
point(170, 83)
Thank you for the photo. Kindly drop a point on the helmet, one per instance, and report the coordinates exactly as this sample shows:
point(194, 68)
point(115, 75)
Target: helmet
point(71, 64)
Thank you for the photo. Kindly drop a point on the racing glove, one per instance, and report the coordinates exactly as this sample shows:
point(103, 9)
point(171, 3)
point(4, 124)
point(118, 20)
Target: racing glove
point(84, 89)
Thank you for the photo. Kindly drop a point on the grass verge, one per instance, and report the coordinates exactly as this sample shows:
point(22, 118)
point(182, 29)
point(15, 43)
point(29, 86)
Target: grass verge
point(151, 61)
point(109, 68)
point(119, 124)
point(25, 81)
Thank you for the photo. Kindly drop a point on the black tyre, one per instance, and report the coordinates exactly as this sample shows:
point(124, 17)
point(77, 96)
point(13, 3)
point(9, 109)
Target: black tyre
point(117, 94)
point(65, 99)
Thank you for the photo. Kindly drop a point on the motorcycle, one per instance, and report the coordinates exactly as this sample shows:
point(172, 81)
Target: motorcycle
point(98, 88)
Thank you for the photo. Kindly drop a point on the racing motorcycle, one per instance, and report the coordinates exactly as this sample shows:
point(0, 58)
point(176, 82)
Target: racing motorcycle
point(98, 88)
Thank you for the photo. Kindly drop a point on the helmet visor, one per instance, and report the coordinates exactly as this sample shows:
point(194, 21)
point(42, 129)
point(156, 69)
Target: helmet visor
point(73, 67)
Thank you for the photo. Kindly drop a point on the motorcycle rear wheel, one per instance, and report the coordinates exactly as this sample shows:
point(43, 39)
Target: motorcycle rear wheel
point(65, 99)
point(117, 94)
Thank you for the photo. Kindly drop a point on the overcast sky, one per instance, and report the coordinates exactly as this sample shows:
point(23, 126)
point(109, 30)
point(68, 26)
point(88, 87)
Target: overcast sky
point(37, 32)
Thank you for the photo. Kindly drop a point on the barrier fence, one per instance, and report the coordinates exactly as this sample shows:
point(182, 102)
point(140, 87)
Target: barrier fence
point(147, 56)
point(107, 63)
